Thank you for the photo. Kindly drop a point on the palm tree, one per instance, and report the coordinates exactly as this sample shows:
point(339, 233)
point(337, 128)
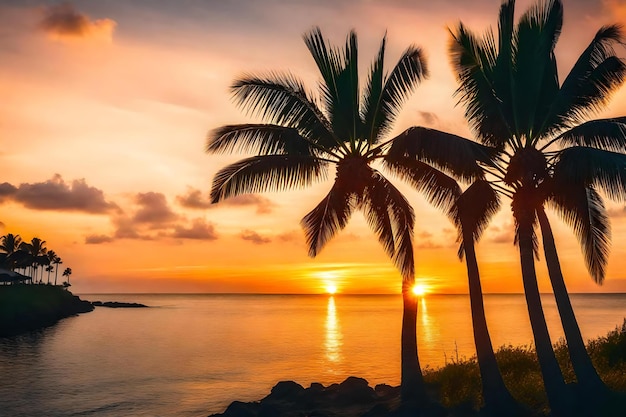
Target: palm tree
point(67, 273)
point(10, 244)
point(52, 256)
point(548, 156)
point(471, 213)
point(57, 261)
point(303, 140)
point(36, 248)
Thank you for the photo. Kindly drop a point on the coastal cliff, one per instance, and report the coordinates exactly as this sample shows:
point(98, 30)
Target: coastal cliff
point(30, 307)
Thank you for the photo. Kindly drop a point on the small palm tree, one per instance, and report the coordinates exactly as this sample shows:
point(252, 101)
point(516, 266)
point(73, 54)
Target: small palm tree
point(303, 140)
point(67, 273)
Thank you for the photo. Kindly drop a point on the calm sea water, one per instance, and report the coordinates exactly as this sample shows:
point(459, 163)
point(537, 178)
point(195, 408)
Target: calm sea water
point(191, 355)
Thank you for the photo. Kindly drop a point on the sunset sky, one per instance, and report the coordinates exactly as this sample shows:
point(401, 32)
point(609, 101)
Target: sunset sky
point(103, 121)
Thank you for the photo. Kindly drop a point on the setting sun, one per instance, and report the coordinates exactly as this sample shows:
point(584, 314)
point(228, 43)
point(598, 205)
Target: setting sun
point(420, 290)
point(331, 289)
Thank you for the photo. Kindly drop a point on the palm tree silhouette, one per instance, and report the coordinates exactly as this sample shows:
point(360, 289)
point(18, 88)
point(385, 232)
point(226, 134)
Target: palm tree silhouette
point(36, 248)
point(10, 244)
point(303, 140)
point(548, 156)
point(471, 212)
point(57, 261)
point(52, 256)
point(67, 273)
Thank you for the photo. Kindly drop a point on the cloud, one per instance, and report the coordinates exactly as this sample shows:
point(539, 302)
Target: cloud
point(63, 21)
point(612, 212)
point(56, 194)
point(428, 118)
point(194, 199)
point(6, 191)
point(504, 234)
point(154, 210)
point(254, 237)
point(200, 230)
point(97, 239)
point(290, 236)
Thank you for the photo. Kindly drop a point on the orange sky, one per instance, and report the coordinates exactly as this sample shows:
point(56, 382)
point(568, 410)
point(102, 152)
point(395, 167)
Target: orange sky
point(104, 113)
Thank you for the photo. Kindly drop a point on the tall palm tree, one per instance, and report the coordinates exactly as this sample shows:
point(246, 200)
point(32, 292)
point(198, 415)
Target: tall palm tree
point(52, 256)
point(36, 248)
point(304, 137)
point(471, 213)
point(57, 261)
point(547, 155)
point(49, 269)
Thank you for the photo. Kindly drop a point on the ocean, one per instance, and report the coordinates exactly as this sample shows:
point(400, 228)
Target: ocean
point(191, 355)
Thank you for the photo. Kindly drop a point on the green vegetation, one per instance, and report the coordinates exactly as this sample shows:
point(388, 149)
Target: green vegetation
point(459, 387)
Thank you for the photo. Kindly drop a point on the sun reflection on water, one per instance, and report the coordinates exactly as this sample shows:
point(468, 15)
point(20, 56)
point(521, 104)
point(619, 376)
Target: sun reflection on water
point(334, 338)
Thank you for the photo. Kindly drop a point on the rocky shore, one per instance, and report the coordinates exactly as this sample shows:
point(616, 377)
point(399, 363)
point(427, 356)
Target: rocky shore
point(29, 307)
point(351, 398)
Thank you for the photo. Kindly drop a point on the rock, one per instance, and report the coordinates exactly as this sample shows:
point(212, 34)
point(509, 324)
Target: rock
point(355, 391)
point(386, 391)
point(241, 409)
point(379, 410)
point(286, 390)
point(117, 304)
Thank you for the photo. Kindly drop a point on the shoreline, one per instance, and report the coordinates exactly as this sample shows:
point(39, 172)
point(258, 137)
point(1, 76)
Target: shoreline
point(31, 307)
point(28, 307)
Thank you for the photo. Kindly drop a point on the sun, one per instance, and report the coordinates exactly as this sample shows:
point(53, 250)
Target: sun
point(420, 290)
point(331, 289)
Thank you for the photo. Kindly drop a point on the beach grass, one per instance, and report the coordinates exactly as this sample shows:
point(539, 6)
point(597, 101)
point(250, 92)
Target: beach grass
point(458, 382)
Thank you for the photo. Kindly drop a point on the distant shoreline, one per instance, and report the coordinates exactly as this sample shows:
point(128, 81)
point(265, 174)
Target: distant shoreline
point(28, 307)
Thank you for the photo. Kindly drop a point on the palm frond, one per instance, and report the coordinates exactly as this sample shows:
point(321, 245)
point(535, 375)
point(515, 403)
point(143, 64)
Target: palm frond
point(260, 139)
point(344, 110)
point(582, 209)
point(595, 75)
point(376, 207)
point(410, 70)
point(456, 155)
point(328, 63)
point(474, 62)
point(382, 202)
point(473, 211)
point(607, 134)
point(589, 166)
point(373, 95)
point(327, 218)
point(283, 100)
point(439, 189)
point(266, 173)
point(535, 78)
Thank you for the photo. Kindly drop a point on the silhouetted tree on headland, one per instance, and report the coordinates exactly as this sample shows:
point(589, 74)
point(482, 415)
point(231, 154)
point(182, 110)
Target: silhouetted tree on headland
point(29, 256)
point(67, 273)
point(303, 140)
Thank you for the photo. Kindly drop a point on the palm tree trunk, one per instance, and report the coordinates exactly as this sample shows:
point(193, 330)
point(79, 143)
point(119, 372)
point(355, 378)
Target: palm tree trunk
point(413, 389)
point(56, 273)
point(556, 389)
point(498, 400)
point(588, 378)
